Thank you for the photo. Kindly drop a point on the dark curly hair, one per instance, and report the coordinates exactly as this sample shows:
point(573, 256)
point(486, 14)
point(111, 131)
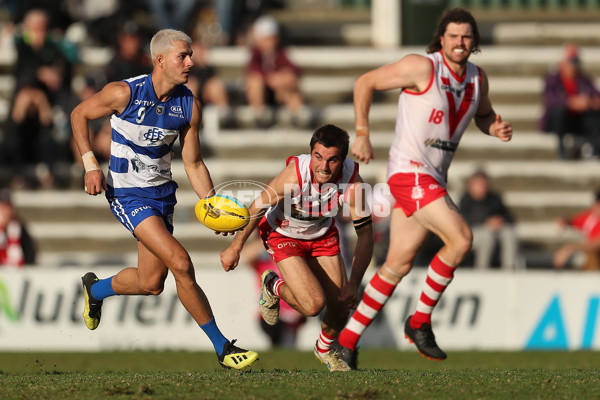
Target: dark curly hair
point(457, 16)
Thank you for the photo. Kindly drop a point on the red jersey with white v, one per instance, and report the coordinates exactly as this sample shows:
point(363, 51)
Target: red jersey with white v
point(430, 124)
point(308, 215)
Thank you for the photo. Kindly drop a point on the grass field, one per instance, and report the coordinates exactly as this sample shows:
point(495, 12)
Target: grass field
point(281, 374)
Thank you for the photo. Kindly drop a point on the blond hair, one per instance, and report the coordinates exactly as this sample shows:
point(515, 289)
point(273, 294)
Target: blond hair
point(163, 40)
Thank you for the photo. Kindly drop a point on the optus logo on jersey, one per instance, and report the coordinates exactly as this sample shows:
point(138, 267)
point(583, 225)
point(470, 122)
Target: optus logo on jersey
point(145, 103)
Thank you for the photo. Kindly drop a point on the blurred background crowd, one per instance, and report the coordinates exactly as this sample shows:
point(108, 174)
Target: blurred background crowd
point(270, 71)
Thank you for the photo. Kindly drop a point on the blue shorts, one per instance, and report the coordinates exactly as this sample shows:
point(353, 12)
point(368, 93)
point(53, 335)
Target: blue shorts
point(131, 210)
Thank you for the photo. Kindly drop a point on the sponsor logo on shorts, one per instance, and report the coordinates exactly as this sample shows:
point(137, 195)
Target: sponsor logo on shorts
point(286, 244)
point(137, 210)
point(330, 242)
point(434, 186)
point(417, 193)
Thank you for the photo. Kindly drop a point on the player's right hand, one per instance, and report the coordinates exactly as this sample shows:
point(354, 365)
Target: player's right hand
point(230, 259)
point(94, 182)
point(225, 233)
point(362, 149)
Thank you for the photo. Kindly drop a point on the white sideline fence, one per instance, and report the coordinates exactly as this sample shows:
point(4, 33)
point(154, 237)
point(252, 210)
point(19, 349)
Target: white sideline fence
point(40, 310)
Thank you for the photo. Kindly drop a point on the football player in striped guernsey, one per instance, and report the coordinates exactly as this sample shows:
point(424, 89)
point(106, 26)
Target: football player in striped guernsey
point(148, 113)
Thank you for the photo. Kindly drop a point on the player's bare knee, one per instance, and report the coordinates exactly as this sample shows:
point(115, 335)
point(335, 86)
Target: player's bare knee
point(394, 271)
point(182, 268)
point(313, 307)
point(464, 243)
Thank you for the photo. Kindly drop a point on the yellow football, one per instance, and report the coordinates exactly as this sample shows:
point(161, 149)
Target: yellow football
point(222, 213)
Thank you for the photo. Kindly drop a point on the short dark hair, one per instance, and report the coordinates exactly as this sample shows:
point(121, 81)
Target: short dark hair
point(331, 136)
point(457, 16)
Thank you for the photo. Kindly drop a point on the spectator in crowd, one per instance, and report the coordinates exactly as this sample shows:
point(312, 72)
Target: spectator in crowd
point(272, 79)
point(587, 222)
point(207, 86)
point(285, 331)
point(37, 134)
point(131, 56)
point(29, 149)
point(58, 16)
point(98, 20)
point(17, 248)
point(42, 58)
point(491, 222)
point(572, 106)
point(171, 14)
point(234, 17)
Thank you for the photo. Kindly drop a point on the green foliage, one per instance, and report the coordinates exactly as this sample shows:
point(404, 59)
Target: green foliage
point(289, 375)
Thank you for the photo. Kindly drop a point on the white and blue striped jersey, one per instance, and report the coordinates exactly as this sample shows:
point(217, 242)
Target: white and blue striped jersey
point(142, 140)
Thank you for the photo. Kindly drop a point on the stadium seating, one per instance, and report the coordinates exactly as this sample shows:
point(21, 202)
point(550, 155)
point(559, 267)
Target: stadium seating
point(72, 228)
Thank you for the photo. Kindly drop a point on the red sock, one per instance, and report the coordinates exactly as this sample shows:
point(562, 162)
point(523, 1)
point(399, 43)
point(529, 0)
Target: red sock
point(376, 294)
point(439, 276)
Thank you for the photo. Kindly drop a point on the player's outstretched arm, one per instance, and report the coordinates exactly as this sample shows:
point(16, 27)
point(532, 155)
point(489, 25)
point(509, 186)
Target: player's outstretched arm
point(112, 98)
point(283, 184)
point(191, 154)
point(410, 72)
point(486, 118)
point(363, 252)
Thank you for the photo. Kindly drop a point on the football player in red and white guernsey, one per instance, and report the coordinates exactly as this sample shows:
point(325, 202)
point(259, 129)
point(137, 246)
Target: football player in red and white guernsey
point(299, 232)
point(441, 93)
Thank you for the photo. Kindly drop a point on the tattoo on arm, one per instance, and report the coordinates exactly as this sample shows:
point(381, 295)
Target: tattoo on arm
point(450, 203)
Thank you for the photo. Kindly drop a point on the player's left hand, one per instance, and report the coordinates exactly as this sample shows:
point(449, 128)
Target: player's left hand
point(349, 296)
point(501, 129)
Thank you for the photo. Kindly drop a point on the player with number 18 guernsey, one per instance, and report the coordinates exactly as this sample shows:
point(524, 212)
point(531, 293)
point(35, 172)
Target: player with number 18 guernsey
point(441, 93)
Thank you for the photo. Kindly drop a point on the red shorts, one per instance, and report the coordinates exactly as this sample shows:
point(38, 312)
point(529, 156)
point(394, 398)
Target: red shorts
point(281, 247)
point(414, 191)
